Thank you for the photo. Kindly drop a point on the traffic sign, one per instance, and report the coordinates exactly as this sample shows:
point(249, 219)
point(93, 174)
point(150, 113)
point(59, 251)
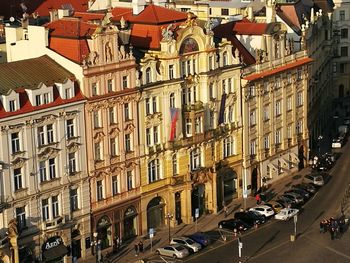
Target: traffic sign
point(196, 214)
point(295, 218)
point(151, 233)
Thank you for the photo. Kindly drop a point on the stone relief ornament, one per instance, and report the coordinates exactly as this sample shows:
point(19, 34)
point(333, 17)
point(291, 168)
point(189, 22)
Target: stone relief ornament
point(168, 33)
point(98, 136)
point(48, 152)
point(73, 147)
point(129, 127)
point(18, 162)
point(209, 26)
point(91, 59)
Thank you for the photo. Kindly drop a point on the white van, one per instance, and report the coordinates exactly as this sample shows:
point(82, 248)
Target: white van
point(315, 179)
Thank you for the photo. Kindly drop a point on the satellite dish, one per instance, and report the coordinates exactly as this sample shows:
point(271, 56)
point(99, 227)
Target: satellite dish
point(12, 19)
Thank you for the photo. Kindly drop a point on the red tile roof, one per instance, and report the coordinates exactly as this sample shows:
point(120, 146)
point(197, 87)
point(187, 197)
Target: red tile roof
point(73, 49)
point(44, 8)
point(280, 69)
point(246, 27)
point(88, 16)
point(70, 28)
point(226, 31)
point(119, 12)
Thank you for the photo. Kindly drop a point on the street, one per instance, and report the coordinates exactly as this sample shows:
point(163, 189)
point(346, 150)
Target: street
point(271, 242)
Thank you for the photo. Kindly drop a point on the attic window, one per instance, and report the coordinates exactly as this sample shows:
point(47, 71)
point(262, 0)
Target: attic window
point(189, 45)
point(12, 105)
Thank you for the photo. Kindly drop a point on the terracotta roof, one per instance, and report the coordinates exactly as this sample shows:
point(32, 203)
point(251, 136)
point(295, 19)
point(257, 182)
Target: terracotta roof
point(29, 73)
point(88, 16)
point(246, 27)
point(73, 49)
point(44, 8)
point(280, 69)
point(151, 15)
point(70, 28)
point(226, 31)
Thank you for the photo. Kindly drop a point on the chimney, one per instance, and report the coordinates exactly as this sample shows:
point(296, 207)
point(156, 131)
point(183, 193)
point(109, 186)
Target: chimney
point(250, 14)
point(53, 15)
point(270, 11)
point(138, 6)
point(63, 13)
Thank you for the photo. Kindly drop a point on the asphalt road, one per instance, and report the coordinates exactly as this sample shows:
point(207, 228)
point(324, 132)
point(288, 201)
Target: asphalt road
point(271, 242)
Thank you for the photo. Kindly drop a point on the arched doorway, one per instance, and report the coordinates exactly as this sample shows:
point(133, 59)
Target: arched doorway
point(103, 228)
point(341, 91)
point(226, 186)
point(254, 180)
point(76, 244)
point(155, 213)
point(198, 199)
point(130, 223)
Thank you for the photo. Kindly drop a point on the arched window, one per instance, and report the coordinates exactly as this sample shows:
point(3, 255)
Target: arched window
point(148, 75)
point(228, 146)
point(188, 45)
point(154, 171)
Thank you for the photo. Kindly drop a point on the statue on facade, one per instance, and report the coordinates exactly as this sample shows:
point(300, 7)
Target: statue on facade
point(258, 56)
point(108, 52)
point(209, 26)
point(167, 33)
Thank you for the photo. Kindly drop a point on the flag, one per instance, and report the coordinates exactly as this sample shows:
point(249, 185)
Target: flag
point(174, 113)
point(222, 109)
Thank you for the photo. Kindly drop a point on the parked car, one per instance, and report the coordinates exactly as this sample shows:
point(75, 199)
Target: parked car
point(263, 210)
point(276, 206)
point(325, 175)
point(233, 224)
point(175, 251)
point(338, 142)
point(201, 238)
point(308, 187)
point(191, 245)
point(286, 213)
point(249, 217)
point(305, 194)
point(287, 201)
point(314, 179)
point(297, 198)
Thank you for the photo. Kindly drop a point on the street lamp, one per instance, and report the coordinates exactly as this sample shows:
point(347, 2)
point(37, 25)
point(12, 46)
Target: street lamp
point(169, 217)
point(97, 247)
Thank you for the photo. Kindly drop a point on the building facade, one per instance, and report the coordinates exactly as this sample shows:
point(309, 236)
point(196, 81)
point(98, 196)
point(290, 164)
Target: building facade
point(44, 181)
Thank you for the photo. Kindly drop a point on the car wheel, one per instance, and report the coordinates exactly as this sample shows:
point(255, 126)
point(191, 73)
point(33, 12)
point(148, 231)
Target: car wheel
point(174, 256)
point(220, 226)
point(157, 252)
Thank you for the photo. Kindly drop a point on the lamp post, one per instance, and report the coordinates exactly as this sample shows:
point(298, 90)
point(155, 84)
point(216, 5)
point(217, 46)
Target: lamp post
point(97, 247)
point(169, 217)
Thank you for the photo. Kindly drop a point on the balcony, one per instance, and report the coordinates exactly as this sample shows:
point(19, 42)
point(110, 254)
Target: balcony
point(53, 224)
point(197, 106)
point(177, 180)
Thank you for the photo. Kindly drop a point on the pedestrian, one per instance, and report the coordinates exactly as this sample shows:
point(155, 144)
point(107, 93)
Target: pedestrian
point(136, 247)
point(141, 246)
point(322, 226)
point(225, 210)
point(258, 199)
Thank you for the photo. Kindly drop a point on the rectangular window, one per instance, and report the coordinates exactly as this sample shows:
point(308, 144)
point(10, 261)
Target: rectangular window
point(21, 217)
point(224, 86)
point(155, 135)
point(49, 133)
point(195, 157)
point(230, 89)
point(96, 119)
point(72, 166)
point(68, 93)
point(99, 190)
point(210, 63)
point(289, 103)
point(183, 68)
point(342, 67)
point(188, 64)
point(211, 119)
point(98, 151)
point(41, 136)
point(129, 180)
point(148, 106)
point(46, 98)
point(278, 136)
point(94, 89)
point(52, 168)
point(15, 145)
point(127, 141)
point(299, 74)
point(171, 71)
point(299, 127)
point(299, 99)
point(278, 108)
point(344, 33)
point(45, 209)
point(174, 164)
point(109, 85)
point(17, 178)
point(42, 171)
point(113, 146)
point(154, 104)
point(38, 100)
point(198, 125)
point(74, 202)
point(224, 12)
point(125, 82)
point(342, 15)
point(115, 185)
point(253, 147)
point(127, 115)
point(188, 127)
point(153, 171)
point(267, 113)
point(344, 51)
point(70, 128)
point(211, 91)
point(12, 105)
point(148, 137)
point(228, 146)
point(289, 131)
point(267, 142)
point(252, 118)
point(111, 115)
point(54, 204)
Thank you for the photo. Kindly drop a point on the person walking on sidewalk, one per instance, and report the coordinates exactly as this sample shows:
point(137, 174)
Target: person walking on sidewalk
point(140, 246)
point(258, 199)
point(136, 247)
point(225, 210)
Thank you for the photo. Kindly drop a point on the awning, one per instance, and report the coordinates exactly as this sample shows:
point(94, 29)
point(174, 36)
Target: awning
point(272, 166)
point(295, 158)
point(55, 252)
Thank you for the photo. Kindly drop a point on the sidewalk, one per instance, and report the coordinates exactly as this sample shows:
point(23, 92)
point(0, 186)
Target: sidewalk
point(204, 224)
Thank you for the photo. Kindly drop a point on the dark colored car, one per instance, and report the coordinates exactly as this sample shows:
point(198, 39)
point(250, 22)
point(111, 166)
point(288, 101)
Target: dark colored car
point(287, 202)
point(251, 218)
point(305, 194)
point(201, 238)
point(326, 176)
point(233, 224)
point(308, 187)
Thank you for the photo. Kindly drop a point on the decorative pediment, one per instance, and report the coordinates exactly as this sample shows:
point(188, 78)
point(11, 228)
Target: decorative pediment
point(114, 131)
point(68, 114)
point(73, 147)
point(48, 152)
point(154, 119)
point(46, 119)
point(130, 165)
point(18, 162)
point(129, 127)
point(96, 106)
point(114, 101)
point(116, 169)
point(98, 136)
point(101, 173)
point(202, 176)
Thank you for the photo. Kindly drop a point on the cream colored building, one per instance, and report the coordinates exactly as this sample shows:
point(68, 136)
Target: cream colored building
point(44, 181)
point(200, 167)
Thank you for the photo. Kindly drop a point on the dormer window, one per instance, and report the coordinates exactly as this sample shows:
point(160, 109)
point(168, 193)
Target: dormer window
point(41, 99)
point(68, 93)
point(12, 105)
point(46, 97)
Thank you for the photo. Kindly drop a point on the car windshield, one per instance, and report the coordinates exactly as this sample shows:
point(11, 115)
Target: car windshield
point(179, 248)
point(189, 241)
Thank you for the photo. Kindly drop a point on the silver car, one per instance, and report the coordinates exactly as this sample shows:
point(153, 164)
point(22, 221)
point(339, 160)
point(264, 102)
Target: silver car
point(175, 251)
point(191, 245)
